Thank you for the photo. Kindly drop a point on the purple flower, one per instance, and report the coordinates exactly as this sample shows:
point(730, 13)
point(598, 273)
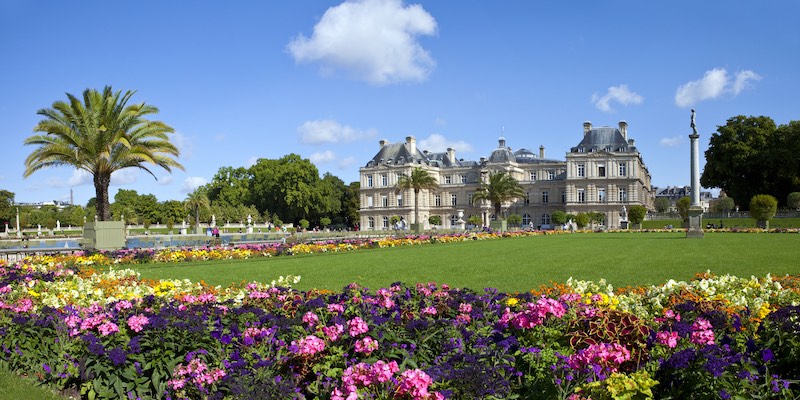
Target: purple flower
point(767, 355)
point(46, 368)
point(117, 356)
point(724, 395)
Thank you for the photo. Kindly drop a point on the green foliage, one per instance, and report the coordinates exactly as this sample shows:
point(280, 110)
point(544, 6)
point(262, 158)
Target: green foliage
point(661, 204)
point(793, 200)
point(763, 207)
point(596, 217)
point(324, 221)
point(418, 180)
point(634, 386)
point(751, 155)
point(559, 217)
point(474, 220)
point(515, 219)
point(582, 219)
point(683, 205)
point(724, 204)
point(500, 189)
point(393, 220)
point(100, 135)
point(196, 202)
point(304, 223)
point(636, 214)
point(435, 220)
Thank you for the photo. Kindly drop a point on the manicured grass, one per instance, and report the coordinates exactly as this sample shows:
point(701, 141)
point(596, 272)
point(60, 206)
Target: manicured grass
point(515, 265)
point(15, 387)
point(726, 222)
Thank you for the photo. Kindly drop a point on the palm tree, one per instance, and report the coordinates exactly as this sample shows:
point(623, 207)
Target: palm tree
point(501, 188)
point(419, 179)
point(196, 201)
point(101, 135)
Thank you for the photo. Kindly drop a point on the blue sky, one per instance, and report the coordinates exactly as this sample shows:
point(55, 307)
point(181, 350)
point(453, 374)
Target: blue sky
point(328, 79)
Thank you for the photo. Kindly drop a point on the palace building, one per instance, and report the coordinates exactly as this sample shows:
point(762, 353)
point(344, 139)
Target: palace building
point(603, 173)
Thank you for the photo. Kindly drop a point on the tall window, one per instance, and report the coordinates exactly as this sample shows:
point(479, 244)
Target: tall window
point(384, 180)
point(385, 222)
point(623, 169)
point(581, 170)
point(369, 180)
point(533, 176)
point(551, 175)
point(469, 198)
point(623, 194)
point(545, 196)
point(601, 195)
point(453, 220)
point(563, 197)
point(545, 219)
point(369, 201)
point(370, 223)
point(601, 170)
point(581, 196)
point(437, 200)
point(384, 201)
point(447, 179)
point(526, 219)
point(527, 199)
point(399, 200)
point(464, 178)
point(453, 200)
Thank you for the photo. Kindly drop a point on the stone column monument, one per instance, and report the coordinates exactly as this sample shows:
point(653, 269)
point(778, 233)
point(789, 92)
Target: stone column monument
point(695, 209)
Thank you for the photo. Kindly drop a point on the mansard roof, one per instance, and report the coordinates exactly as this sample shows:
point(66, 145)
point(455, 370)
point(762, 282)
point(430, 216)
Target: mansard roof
point(397, 153)
point(603, 138)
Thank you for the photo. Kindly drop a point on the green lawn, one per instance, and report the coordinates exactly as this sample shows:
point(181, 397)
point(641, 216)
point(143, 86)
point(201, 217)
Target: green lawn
point(517, 264)
point(15, 387)
point(726, 222)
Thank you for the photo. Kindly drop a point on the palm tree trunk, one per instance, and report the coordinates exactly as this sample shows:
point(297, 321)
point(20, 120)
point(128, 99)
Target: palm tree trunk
point(101, 182)
point(197, 219)
point(416, 207)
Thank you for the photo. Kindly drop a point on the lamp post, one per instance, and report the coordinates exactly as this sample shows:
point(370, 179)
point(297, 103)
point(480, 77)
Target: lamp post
point(19, 234)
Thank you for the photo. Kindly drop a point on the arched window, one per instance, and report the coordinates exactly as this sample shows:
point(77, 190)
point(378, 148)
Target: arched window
point(453, 220)
point(526, 219)
point(545, 219)
point(370, 222)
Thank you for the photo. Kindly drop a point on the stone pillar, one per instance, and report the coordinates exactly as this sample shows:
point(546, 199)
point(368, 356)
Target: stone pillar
point(696, 209)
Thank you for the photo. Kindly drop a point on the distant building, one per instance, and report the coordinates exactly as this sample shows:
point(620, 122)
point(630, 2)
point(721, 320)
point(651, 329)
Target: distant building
point(603, 173)
point(674, 193)
point(55, 203)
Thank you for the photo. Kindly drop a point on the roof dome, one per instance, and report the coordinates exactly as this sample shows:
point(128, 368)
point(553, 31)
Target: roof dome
point(502, 155)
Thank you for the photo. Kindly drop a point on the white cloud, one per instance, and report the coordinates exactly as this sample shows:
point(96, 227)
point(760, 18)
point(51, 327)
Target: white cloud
point(621, 94)
point(372, 40)
point(714, 84)
point(80, 177)
point(193, 182)
point(165, 180)
point(321, 158)
point(437, 143)
point(743, 79)
point(251, 161)
point(347, 162)
point(329, 131)
point(671, 141)
point(183, 143)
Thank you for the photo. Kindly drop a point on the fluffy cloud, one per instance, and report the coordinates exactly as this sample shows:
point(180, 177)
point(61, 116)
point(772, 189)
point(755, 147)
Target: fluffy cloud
point(621, 94)
point(324, 157)
point(345, 163)
point(714, 84)
point(183, 143)
point(328, 131)
point(193, 182)
point(251, 161)
point(371, 40)
point(80, 177)
point(165, 180)
point(671, 141)
point(437, 143)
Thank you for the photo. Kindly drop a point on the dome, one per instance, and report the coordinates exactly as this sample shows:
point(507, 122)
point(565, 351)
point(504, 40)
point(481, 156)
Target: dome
point(502, 155)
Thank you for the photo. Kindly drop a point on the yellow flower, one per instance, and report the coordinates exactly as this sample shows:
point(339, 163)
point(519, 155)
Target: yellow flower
point(512, 301)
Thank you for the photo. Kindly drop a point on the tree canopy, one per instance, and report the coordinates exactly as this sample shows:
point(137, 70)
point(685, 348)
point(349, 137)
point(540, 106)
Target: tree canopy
point(751, 155)
point(100, 135)
point(500, 189)
point(418, 180)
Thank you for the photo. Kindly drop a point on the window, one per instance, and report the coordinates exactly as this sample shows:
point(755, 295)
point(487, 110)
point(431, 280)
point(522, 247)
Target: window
point(527, 199)
point(601, 195)
point(447, 179)
point(385, 222)
point(369, 201)
point(545, 219)
point(384, 180)
point(526, 219)
point(581, 170)
point(601, 170)
point(384, 202)
point(545, 196)
point(551, 175)
point(623, 194)
point(453, 200)
point(623, 169)
point(581, 196)
point(369, 180)
point(437, 200)
point(469, 198)
point(370, 223)
point(533, 176)
point(463, 178)
point(399, 200)
point(563, 197)
point(453, 220)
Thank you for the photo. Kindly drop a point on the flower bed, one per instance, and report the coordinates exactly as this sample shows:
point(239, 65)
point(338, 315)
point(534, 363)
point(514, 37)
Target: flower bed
point(112, 335)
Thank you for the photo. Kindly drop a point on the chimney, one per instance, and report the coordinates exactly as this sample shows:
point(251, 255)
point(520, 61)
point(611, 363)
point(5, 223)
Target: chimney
point(541, 152)
point(451, 155)
point(623, 129)
point(382, 142)
point(587, 126)
point(411, 144)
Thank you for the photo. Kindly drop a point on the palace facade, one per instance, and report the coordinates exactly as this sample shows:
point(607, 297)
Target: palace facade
point(602, 173)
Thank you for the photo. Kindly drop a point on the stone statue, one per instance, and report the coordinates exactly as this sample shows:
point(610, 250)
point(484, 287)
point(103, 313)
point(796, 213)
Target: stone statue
point(624, 213)
point(694, 127)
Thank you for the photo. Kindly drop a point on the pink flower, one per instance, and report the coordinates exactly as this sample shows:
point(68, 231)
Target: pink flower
point(309, 345)
point(667, 338)
point(336, 308)
point(429, 311)
point(108, 328)
point(383, 371)
point(333, 332)
point(414, 382)
point(702, 332)
point(310, 318)
point(366, 345)
point(465, 308)
point(357, 326)
point(123, 305)
point(137, 322)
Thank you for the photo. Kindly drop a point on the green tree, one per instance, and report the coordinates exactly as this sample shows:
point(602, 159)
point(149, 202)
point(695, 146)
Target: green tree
point(582, 219)
point(515, 219)
point(304, 223)
point(435, 220)
point(324, 221)
point(500, 189)
point(793, 200)
point(195, 202)
point(763, 207)
point(636, 214)
point(351, 203)
point(170, 210)
point(724, 205)
point(101, 135)
point(230, 187)
point(474, 220)
point(661, 204)
point(418, 180)
point(683, 205)
point(559, 217)
point(288, 186)
point(8, 213)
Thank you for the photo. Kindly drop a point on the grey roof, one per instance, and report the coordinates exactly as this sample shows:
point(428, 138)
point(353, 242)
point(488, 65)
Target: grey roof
point(442, 160)
point(502, 154)
point(602, 138)
point(397, 153)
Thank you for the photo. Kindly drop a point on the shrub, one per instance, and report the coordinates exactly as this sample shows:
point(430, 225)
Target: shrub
point(582, 219)
point(515, 219)
point(474, 220)
point(762, 208)
point(304, 223)
point(559, 217)
point(325, 221)
point(662, 204)
point(636, 214)
point(793, 201)
point(435, 220)
point(683, 205)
